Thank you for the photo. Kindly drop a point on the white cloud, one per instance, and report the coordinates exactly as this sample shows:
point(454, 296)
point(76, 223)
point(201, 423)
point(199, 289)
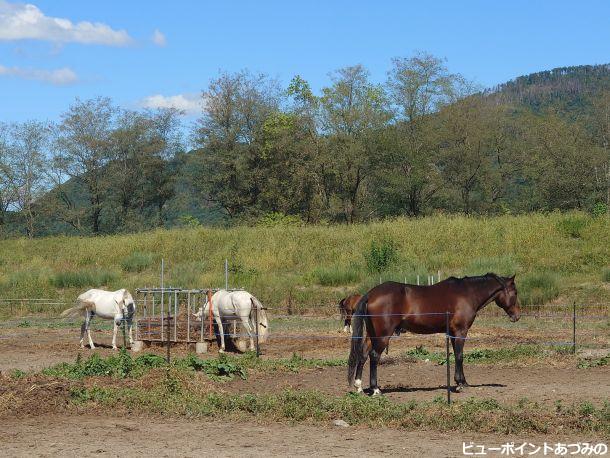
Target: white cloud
point(20, 21)
point(59, 77)
point(189, 103)
point(158, 38)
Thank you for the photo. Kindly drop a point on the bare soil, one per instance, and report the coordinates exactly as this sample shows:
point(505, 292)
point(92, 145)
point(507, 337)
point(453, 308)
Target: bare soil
point(89, 435)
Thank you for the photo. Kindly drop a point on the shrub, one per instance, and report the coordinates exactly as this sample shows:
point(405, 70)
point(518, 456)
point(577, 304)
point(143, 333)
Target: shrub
point(606, 275)
point(279, 219)
point(82, 278)
point(572, 226)
point(538, 288)
point(335, 276)
point(137, 262)
point(381, 255)
point(599, 209)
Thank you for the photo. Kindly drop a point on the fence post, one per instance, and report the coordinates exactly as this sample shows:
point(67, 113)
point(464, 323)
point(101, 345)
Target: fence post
point(124, 331)
point(209, 294)
point(448, 362)
point(226, 274)
point(168, 335)
point(418, 280)
point(258, 350)
point(574, 327)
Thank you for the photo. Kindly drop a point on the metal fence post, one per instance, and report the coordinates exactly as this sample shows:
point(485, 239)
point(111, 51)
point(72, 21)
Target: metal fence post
point(168, 335)
point(124, 331)
point(448, 362)
point(258, 351)
point(574, 327)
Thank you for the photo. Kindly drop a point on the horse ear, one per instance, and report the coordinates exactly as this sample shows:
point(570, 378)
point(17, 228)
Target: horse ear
point(512, 278)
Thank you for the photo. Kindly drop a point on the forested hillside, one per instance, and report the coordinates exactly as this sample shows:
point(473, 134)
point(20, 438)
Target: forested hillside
point(426, 141)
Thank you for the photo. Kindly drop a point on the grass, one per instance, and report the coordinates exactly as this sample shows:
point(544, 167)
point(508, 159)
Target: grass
point(336, 276)
point(483, 355)
point(485, 415)
point(276, 263)
point(538, 288)
point(222, 368)
point(606, 275)
point(83, 278)
point(137, 262)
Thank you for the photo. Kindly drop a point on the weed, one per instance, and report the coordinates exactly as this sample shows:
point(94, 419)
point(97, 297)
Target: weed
point(382, 253)
point(82, 278)
point(572, 226)
point(587, 363)
point(17, 374)
point(606, 275)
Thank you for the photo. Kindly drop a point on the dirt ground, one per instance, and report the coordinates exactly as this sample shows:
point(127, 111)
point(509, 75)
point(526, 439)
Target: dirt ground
point(58, 432)
point(56, 435)
point(401, 380)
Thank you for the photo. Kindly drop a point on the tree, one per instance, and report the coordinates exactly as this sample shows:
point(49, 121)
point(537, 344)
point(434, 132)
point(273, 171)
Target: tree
point(236, 107)
point(419, 86)
point(26, 158)
point(353, 110)
point(84, 148)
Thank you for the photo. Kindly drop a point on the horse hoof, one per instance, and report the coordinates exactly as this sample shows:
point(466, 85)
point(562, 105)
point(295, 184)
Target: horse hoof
point(461, 387)
point(222, 350)
point(115, 348)
point(376, 392)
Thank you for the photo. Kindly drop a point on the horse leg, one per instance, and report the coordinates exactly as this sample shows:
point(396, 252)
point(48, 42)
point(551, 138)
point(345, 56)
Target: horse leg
point(360, 366)
point(245, 321)
point(131, 333)
point(88, 326)
point(458, 352)
point(83, 328)
point(221, 332)
point(375, 354)
point(114, 333)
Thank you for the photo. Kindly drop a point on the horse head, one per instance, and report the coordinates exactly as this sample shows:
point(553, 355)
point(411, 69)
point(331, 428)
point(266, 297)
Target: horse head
point(507, 298)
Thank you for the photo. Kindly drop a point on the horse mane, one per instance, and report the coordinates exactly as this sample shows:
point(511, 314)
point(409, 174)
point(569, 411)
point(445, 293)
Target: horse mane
point(475, 278)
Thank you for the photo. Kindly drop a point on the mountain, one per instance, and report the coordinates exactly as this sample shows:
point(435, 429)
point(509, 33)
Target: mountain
point(570, 90)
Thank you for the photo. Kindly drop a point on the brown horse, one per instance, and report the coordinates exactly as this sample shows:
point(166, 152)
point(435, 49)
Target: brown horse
point(347, 305)
point(396, 307)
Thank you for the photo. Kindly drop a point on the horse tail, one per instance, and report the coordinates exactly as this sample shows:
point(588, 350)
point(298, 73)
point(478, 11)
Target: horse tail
point(262, 327)
point(356, 352)
point(73, 311)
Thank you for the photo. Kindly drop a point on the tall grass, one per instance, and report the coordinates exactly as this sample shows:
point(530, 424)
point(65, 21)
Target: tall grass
point(538, 288)
point(276, 263)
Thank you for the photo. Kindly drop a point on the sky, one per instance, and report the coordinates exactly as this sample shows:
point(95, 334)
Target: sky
point(164, 53)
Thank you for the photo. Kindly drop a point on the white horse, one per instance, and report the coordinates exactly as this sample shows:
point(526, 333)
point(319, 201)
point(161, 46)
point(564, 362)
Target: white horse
point(109, 305)
point(236, 305)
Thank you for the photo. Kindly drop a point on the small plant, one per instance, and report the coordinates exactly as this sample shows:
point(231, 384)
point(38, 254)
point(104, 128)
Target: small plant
point(587, 363)
point(17, 374)
point(24, 324)
point(137, 262)
point(381, 255)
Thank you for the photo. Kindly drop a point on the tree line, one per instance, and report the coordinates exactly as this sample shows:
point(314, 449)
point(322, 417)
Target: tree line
point(424, 141)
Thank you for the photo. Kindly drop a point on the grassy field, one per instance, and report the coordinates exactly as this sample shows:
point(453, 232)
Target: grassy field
point(557, 257)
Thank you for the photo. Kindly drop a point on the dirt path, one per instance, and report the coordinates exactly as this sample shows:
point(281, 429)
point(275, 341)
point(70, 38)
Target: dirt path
point(57, 435)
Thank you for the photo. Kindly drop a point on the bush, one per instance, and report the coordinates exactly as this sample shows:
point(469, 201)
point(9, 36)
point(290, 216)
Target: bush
point(599, 209)
point(137, 262)
point(82, 278)
point(606, 275)
point(572, 226)
point(538, 288)
point(381, 255)
point(274, 219)
point(335, 276)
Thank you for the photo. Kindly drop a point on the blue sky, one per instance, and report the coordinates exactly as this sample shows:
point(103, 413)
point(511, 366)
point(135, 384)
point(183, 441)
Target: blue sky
point(45, 61)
